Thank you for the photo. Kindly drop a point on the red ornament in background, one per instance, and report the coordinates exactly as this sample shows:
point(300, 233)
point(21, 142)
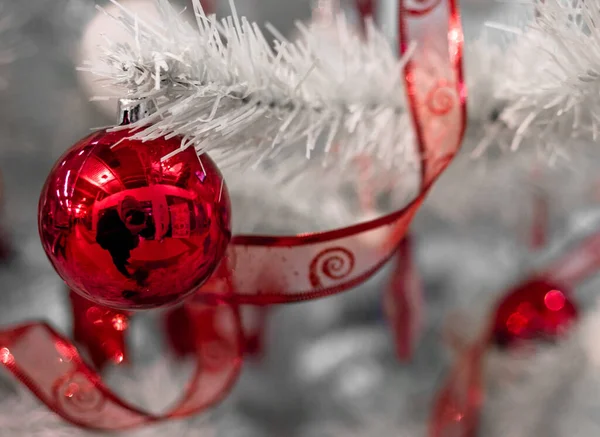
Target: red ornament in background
point(128, 230)
point(536, 310)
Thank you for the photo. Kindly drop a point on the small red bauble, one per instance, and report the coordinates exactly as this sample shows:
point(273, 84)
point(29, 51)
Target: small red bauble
point(536, 310)
point(126, 229)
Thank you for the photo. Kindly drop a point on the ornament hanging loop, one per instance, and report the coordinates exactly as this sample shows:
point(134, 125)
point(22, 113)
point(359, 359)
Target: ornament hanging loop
point(133, 110)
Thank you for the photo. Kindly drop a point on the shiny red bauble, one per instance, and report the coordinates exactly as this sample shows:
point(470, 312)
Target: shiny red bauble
point(536, 310)
point(125, 228)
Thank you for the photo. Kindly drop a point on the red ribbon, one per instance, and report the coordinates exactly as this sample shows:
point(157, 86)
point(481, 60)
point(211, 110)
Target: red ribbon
point(52, 368)
point(100, 330)
point(541, 216)
point(403, 301)
point(263, 270)
point(315, 265)
point(180, 328)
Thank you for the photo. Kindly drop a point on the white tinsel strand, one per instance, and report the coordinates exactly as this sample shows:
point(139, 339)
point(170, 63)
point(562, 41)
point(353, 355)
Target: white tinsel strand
point(503, 72)
point(553, 87)
point(225, 88)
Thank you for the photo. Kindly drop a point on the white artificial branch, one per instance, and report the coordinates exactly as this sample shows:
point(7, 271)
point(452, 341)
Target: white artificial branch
point(552, 88)
point(226, 88)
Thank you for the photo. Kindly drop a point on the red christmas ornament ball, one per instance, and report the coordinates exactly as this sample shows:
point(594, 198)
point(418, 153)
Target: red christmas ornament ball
point(536, 310)
point(126, 229)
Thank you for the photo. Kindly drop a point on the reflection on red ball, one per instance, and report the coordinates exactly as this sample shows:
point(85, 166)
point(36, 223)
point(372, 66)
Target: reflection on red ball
point(127, 230)
point(536, 310)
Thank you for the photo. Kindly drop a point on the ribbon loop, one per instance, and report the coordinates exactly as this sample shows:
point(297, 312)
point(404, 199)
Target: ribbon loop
point(52, 368)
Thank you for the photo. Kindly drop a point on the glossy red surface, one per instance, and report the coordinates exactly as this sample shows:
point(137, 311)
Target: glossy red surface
point(128, 231)
point(535, 310)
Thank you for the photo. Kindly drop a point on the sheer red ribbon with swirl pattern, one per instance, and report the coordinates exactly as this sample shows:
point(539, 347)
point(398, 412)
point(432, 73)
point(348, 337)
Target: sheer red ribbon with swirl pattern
point(309, 266)
point(262, 270)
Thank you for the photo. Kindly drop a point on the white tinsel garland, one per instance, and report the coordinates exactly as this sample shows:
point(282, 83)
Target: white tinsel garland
point(525, 93)
point(228, 90)
point(552, 85)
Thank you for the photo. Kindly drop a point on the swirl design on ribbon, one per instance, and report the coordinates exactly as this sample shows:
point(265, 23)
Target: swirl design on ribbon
point(420, 7)
point(76, 395)
point(333, 264)
point(441, 98)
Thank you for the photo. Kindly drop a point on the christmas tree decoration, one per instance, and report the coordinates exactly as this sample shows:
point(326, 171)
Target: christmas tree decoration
point(254, 323)
point(550, 392)
point(101, 28)
point(182, 331)
point(179, 330)
point(541, 308)
point(403, 301)
point(535, 310)
point(100, 330)
point(307, 266)
point(259, 104)
point(458, 403)
point(211, 96)
point(556, 107)
point(129, 230)
point(75, 392)
point(254, 132)
point(148, 386)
